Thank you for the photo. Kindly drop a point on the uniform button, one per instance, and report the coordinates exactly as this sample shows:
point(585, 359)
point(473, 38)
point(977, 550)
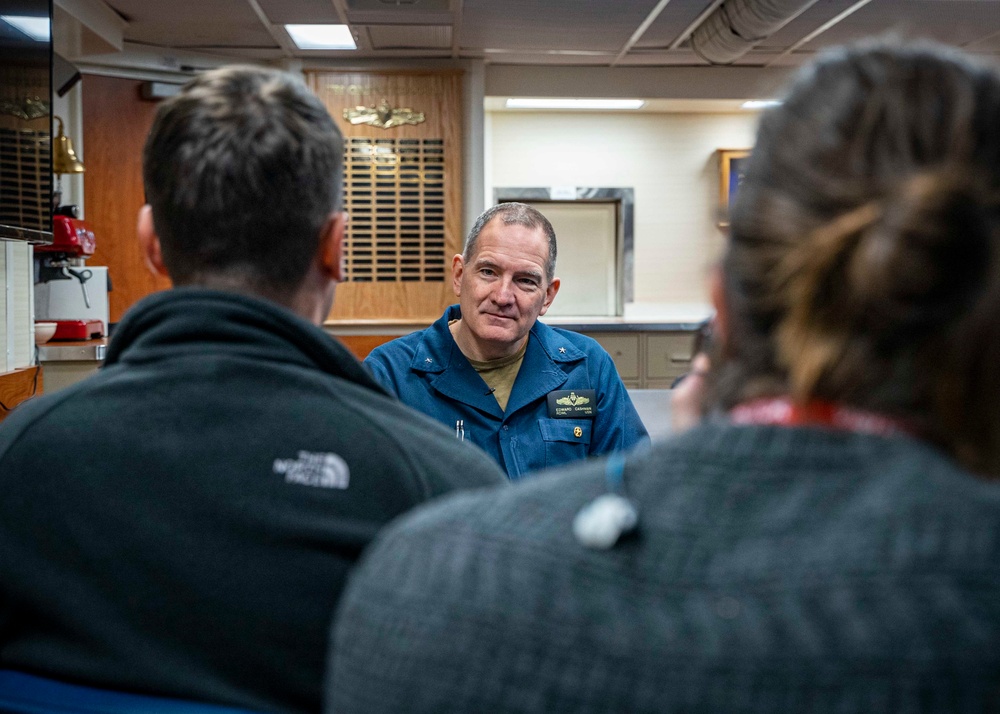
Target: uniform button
point(577, 432)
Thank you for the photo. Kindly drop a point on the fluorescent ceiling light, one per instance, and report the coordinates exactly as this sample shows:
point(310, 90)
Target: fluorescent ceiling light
point(37, 28)
point(321, 37)
point(553, 103)
point(760, 104)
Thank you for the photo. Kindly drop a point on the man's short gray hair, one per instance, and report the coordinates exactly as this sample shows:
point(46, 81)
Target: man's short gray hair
point(513, 213)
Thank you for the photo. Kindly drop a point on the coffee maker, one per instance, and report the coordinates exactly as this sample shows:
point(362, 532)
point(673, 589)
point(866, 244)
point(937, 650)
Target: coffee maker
point(67, 292)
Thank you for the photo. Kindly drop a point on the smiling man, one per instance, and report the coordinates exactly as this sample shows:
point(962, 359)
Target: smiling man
point(532, 396)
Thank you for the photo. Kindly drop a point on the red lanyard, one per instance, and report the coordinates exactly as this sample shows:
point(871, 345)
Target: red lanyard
point(783, 411)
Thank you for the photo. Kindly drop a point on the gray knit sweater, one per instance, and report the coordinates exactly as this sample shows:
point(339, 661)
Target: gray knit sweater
point(775, 569)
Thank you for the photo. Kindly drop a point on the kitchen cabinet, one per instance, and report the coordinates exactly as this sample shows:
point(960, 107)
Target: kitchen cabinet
point(647, 358)
point(647, 355)
point(67, 363)
point(668, 356)
point(625, 350)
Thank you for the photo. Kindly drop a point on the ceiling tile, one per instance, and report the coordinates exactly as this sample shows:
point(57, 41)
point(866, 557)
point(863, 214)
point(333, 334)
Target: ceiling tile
point(185, 24)
point(957, 22)
point(671, 22)
point(386, 37)
point(551, 25)
point(403, 5)
point(282, 12)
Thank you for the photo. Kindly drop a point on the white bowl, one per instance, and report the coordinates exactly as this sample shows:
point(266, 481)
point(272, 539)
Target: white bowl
point(44, 332)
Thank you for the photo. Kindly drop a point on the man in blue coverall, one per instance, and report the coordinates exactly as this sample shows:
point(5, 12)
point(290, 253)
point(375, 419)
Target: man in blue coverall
point(530, 395)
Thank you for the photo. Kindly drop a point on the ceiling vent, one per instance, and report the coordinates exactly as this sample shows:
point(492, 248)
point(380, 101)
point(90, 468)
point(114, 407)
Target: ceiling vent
point(422, 5)
point(410, 37)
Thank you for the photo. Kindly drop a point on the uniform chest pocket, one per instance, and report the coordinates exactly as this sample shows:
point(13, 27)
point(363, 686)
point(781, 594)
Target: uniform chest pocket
point(565, 439)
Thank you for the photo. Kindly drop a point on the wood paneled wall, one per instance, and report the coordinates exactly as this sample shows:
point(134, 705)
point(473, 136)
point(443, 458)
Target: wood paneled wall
point(438, 95)
point(361, 345)
point(115, 123)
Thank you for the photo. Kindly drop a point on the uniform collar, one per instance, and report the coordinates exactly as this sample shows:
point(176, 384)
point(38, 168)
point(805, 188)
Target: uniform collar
point(440, 360)
point(437, 350)
point(438, 356)
point(555, 344)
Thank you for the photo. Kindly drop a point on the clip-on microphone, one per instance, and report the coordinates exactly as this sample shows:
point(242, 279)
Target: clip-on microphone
point(603, 521)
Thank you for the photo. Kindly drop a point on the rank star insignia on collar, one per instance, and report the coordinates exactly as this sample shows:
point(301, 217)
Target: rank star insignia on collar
point(428, 360)
point(562, 350)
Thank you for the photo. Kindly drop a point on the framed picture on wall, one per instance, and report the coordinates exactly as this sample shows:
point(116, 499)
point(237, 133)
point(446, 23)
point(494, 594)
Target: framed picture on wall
point(732, 164)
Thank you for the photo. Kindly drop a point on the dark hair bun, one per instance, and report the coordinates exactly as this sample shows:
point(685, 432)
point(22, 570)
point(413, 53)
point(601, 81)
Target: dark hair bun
point(925, 257)
point(888, 273)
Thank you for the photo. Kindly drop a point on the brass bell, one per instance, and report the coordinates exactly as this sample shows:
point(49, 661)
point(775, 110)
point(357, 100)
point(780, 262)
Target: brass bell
point(64, 159)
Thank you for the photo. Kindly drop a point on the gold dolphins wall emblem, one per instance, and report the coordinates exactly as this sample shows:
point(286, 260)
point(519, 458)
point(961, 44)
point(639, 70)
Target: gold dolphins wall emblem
point(383, 115)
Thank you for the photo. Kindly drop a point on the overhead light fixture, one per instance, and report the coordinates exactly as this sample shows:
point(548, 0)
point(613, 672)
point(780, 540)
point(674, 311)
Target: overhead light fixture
point(555, 103)
point(37, 28)
point(321, 37)
point(760, 104)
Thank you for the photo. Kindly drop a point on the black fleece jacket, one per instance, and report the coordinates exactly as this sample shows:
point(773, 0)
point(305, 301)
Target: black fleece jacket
point(182, 523)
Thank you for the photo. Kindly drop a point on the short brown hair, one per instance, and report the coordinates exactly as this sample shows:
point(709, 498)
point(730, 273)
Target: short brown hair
point(242, 169)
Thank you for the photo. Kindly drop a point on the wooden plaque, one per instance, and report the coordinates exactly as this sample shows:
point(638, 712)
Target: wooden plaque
point(403, 191)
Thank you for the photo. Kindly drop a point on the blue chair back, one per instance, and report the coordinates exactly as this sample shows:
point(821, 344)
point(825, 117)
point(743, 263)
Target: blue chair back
point(22, 693)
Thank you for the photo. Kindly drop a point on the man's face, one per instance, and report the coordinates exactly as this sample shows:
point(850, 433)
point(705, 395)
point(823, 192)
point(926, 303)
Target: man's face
point(503, 288)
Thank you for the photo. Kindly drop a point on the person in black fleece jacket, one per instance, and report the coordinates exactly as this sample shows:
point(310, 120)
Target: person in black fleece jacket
point(182, 523)
point(829, 540)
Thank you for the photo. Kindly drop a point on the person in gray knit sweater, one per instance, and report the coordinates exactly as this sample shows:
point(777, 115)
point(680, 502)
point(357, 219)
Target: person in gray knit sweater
point(828, 540)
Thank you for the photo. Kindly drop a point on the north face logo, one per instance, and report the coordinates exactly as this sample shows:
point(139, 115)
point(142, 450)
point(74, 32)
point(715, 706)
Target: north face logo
point(311, 469)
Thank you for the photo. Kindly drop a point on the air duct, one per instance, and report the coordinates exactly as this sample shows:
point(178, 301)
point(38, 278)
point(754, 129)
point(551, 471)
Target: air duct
point(736, 26)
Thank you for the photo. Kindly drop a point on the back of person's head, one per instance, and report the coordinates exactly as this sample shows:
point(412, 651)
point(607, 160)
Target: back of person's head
point(242, 170)
point(862, 267)
point(512, 213)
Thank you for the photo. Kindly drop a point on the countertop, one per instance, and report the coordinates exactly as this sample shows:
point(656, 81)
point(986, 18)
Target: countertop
point(76, 351)
point(94, 350)
point(640, 323)
point(577, 324)
point(638, 317)
point(622, 324)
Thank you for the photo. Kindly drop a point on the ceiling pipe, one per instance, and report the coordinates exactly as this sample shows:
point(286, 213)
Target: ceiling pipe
point(682, 38)
point(736, 26)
